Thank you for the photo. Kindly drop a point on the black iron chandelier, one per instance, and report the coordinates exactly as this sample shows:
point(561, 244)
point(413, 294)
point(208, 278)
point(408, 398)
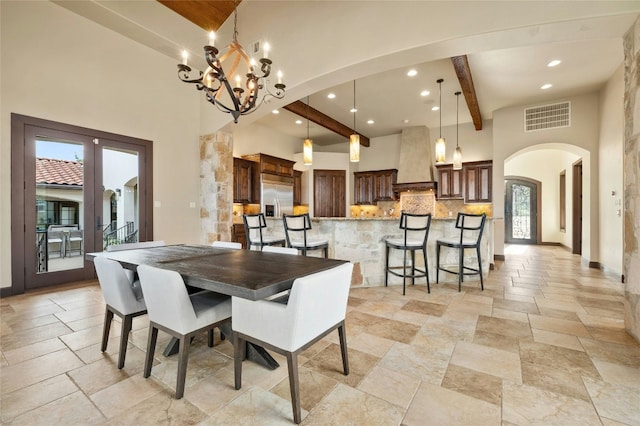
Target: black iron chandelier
point(244, 98)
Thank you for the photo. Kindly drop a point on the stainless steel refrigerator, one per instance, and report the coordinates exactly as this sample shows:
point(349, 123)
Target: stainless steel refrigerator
point(276, 195)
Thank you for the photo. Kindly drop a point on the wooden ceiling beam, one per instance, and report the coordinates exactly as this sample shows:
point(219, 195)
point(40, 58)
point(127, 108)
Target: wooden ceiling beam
point(207, 14)
point(301, 109)
point(463, 71)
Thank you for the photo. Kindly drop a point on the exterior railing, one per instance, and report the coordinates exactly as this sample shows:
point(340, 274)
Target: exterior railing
point(124, 234)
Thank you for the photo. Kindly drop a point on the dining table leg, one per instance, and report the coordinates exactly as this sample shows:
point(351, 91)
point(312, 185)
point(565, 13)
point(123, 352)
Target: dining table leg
point(255, 353)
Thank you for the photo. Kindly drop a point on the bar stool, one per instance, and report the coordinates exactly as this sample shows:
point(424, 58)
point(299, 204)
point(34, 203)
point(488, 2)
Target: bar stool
point(257, 222)
point(470, 223)
point(295, 231)
point(416, 231)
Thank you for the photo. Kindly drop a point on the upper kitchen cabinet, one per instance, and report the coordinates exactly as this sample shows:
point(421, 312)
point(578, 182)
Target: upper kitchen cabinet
point(477, 181)
point(383, 184)
point(449, 182)
point(373, 186)
point(297, 187)
point(272, 165)
point(243, 182)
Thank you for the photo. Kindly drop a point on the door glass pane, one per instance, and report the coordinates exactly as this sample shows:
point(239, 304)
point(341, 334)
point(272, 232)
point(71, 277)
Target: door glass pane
point(521, 208)
point(120, 197)
point(59, 206)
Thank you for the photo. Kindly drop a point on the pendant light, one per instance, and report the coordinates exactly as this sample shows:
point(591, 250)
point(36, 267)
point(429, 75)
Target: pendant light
point(440, 142)
point(307, 147)
point(457, 154)
point(354, 139)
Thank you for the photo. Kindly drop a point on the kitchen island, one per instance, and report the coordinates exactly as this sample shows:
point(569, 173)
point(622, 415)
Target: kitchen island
point(362, 241)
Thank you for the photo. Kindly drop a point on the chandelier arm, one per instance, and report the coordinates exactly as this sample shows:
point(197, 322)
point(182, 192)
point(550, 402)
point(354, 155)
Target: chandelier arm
point(184, 74)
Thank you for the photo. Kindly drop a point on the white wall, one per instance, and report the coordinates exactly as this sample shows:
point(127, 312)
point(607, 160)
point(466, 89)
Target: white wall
point(255, 138)
point(59, 66)
point(382, 153)
point(527, 165)
point(509, 138)
point(610, 176)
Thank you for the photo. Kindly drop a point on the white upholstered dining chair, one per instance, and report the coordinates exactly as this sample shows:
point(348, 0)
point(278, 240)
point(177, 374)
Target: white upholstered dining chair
point(122, 296)
point(317, 305)
point(134, 246)
point(281, 250)
point(227, 244)
point(174, 311)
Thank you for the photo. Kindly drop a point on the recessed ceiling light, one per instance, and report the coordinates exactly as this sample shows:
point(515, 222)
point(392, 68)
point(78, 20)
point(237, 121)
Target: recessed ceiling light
point(331, 96)
point(275, 111)
point(405, 121)
point(370, 121)
point(412, 73)
point(435, 108)
point(546, 86)
point(425, 93)
point(353, 110)
point(298, 121)
point(554, 63)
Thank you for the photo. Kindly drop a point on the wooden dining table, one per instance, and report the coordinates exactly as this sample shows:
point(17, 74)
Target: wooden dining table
point(253, 275)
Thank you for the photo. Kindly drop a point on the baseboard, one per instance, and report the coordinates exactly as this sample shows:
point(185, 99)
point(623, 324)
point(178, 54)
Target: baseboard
point(6, 292)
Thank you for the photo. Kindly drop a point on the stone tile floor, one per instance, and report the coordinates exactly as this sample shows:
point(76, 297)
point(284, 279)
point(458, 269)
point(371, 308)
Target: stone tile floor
point(544, 343)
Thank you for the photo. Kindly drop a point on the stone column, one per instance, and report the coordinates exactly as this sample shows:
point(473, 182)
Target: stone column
point(632, 180)
point(216, 186)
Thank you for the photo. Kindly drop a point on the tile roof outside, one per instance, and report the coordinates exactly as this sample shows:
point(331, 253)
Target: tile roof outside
point(59, 172)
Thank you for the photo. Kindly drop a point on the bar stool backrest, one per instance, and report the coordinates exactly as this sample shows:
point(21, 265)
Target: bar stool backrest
point(470, 223)
point(296, 223)
point(415, 227)
point(253, 222)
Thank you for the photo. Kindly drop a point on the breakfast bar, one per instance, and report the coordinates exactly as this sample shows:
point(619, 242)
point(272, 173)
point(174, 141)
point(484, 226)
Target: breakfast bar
point(361, 241)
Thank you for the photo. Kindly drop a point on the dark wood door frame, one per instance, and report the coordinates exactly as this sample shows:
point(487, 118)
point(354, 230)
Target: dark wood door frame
point(576, 226)
point(23, 127)
point(538, 194)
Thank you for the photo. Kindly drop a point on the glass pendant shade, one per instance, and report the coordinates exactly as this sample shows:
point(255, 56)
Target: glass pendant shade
point(307, 152)
point(354, 148)
point(457, 159)
point(440, 150)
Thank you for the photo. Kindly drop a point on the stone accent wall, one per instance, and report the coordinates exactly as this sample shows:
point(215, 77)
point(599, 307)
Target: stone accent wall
point(632, 180)
point(216, 186)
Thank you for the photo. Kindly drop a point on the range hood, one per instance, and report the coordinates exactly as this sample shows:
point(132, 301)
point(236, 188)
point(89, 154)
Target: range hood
point(415, 169)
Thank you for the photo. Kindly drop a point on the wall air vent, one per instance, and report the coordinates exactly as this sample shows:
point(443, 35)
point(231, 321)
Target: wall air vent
point(545, 117)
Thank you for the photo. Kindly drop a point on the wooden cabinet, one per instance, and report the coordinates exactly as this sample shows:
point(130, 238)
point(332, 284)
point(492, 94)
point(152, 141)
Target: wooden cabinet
point(363, 188)
point(478, 182)
point(373, 186)
point(472, 183)
point(297, 187)
point(243, 182)
point(272, 165)
point(238, 235)
point(449, 182)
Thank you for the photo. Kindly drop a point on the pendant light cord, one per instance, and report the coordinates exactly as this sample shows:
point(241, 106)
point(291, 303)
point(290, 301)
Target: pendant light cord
point(354, 107)
point(307, 117)
point(440, 105)
point(457, 107)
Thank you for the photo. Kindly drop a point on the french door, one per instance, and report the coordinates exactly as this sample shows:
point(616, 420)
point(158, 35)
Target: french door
point(74, 190)
point(521, 212)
